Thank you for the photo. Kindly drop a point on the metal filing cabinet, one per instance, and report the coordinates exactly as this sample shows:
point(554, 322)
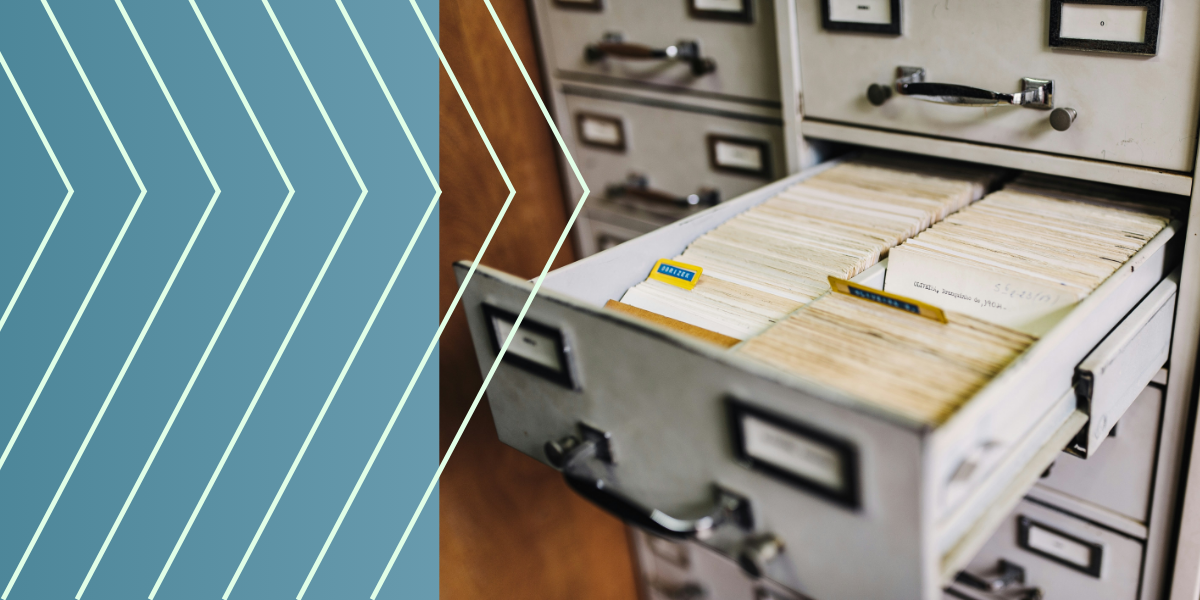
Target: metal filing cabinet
point(1047, 551)
point(666, 107)
point(734, 57)
point(1111, 106)
point(1083, 531)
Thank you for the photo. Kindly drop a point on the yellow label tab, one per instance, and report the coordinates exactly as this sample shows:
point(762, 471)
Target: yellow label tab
point(676, 273)
point(881, 297)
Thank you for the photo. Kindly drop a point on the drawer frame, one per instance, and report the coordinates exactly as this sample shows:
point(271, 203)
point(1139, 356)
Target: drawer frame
point(1106, 390)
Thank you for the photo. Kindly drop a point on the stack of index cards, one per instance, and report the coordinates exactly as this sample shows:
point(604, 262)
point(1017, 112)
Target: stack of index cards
point(765, 263)
point(1022, 257)
point(902, 362)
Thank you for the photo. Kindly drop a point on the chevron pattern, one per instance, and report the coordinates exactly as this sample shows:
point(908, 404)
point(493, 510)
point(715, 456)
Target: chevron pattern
point(218, 243)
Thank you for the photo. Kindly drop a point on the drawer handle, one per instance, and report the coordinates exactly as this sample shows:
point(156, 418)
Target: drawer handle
point(910, 81)
point(686, 591)
point(685, 51)
point(638, 186)
point(578, 459)
point(1010, 578)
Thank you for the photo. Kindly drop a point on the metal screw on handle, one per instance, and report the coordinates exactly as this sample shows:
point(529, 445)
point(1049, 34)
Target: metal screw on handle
point(757, 552)
point(878, 94)
point(557, 450)
point(1061, 118)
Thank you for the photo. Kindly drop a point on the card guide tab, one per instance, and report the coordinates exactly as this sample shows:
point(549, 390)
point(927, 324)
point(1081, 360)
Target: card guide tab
point(676, 273)
point(898, 302)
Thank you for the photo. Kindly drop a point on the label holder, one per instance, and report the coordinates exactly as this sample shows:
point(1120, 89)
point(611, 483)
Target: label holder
point(581, 120)
point(1149, 45)
point(589, 5)
point(847, 496)
point(1095, 551)
point(763, 148)
point(888, 299)
point(561, 376)
point(744, 15)
point(892, 28)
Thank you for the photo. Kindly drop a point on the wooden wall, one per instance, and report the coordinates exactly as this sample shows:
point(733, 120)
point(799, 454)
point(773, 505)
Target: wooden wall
point(510, 528)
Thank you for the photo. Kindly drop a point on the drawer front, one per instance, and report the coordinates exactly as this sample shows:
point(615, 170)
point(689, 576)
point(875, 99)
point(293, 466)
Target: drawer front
point(1064, 556)
point(743, 52)
point(673, 150)
point(1135, 110)
point(1120, 475)
point(604, 234)
point(671, 452)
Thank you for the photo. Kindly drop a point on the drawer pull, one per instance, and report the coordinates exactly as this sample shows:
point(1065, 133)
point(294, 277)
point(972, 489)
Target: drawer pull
point(685, 51)
point(1010, 578)
point(1008, 575)
point(910, 81)
point(685, 591)
point(1061, 118)
point(579, 466)
point(638, 186)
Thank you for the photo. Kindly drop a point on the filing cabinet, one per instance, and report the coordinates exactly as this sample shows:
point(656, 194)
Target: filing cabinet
point(651, 162)
point(662, 102)
point(1120, 476)
point(627, 43)
point(679, 150)
point(1016, 85)
point(1060, 554)
point(1081, 532)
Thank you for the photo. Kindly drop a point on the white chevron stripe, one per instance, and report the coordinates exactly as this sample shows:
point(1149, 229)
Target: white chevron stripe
point(299, 315)
point(153, 313)
point(103, 267)
point(107, 259)
point(371, 321)
point(61, 207)
point(445, 319)
point(228, 310)
point(520, 317)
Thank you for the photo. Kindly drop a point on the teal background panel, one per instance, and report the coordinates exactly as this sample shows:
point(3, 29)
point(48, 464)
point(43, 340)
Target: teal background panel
point(251, 195)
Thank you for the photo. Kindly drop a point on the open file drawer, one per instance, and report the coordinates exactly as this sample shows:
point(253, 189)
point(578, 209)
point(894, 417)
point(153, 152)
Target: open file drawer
point(923, 499)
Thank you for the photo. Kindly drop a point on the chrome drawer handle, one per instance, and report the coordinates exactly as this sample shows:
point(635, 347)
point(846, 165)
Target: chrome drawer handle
point(1010, 578)
point(578, 459)
point(601, 493)
point(685, 51)
point(638, 186)
point(910, 81)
